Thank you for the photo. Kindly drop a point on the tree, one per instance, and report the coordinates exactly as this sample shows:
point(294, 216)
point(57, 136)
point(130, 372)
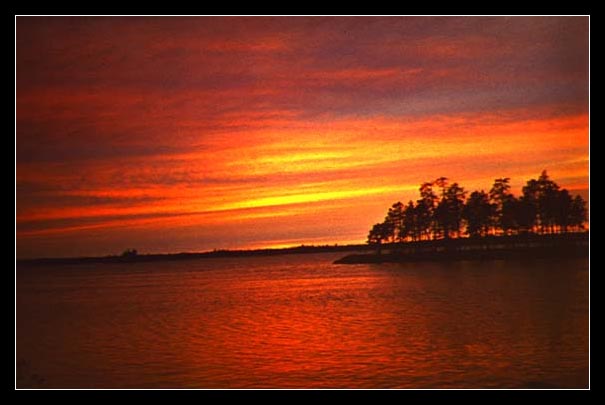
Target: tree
point(455, 197)
point(477, 213)
point(578, 214)
point(440, 209)
point(448, 214)
point(409, 228)
point(543, 207)
point(442, 182)
point(525, 214)
point(498, 195)
point(395, 218)
point(378, 234)
point(542, 195)
point(527, 210)
point(508, 218)
point(563, 207)
point(548, 194)
point(425, 209)
point(388, 229)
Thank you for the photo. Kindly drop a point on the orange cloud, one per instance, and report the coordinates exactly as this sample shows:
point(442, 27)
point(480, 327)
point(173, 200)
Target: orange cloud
point(278, 131)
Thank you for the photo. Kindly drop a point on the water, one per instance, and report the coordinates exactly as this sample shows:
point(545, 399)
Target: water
point(299, 321)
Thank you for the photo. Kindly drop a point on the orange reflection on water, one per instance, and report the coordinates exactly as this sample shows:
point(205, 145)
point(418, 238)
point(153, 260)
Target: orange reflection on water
point(299, 321)
point(452, 326)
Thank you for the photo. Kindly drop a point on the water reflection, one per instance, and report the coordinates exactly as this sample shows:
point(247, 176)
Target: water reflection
point(300, 321)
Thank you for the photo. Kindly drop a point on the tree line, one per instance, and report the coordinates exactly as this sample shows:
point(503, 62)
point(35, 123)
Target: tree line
point(443, 211)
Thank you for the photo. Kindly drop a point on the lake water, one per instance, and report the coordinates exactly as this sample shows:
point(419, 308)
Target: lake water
point(298, 321)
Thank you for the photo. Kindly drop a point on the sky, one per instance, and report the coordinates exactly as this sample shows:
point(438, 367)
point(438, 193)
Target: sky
point(172, 134)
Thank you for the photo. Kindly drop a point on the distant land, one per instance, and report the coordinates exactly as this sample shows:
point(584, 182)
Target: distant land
point(493, 247)
point(131, 256)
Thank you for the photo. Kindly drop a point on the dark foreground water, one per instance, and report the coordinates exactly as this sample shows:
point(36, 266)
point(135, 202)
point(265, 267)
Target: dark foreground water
point(300, 321)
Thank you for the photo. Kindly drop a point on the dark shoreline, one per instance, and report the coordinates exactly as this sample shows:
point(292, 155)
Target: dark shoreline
point(162, 257)
point(493, 247)
point(488, 248)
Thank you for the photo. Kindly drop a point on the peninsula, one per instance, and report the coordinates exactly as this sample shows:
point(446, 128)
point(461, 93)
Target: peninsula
point(443, 224)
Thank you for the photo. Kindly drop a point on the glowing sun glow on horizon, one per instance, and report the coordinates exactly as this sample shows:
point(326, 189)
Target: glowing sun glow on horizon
point(173, 134)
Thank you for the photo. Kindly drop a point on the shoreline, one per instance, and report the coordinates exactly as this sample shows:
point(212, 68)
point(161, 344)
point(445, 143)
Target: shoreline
point(488, 248)
point(162, 257)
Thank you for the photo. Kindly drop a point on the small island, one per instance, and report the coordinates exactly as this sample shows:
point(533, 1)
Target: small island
point(546, 221)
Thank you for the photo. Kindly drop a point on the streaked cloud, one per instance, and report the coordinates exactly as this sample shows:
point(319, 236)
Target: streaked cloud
point(269, 128)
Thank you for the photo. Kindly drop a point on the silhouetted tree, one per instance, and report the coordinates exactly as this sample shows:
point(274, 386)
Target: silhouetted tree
point(508, 217)
point(440, 214)
point(395, 217)
point(528, 209)
point(499, 194)
point(442, 182)
point(548, 196)
point(448, 214)
point(477, 213)
point(409, 228)
point(378, 234)
point(525, 214)
point(455, 196)
point(425, 209)
point(543, 206)
point(578, 214)
point(388, 229)
point(563, 207)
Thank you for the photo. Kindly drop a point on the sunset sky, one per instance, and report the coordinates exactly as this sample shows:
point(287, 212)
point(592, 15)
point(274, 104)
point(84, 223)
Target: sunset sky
point(172, 134)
